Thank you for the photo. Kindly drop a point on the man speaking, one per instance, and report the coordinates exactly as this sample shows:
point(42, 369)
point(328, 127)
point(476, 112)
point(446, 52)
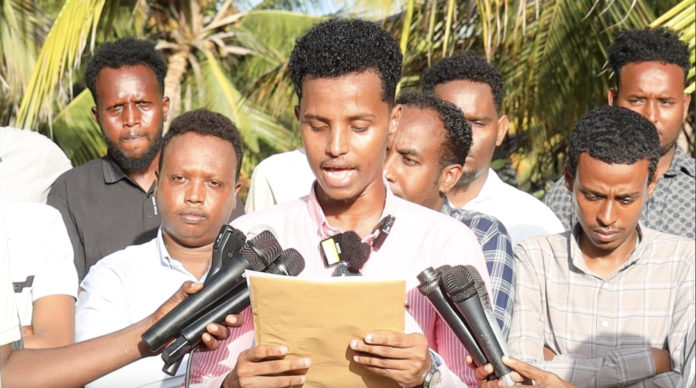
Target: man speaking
point(345, 74)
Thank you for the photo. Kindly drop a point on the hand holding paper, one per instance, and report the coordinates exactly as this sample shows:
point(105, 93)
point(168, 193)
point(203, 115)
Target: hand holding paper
point(403, 358)
point(260, 366)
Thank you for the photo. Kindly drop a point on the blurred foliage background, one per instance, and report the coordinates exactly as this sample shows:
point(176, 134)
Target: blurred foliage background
point(231, 56)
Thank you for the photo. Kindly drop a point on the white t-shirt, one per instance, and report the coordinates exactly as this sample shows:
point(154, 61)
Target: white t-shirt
point(122, 289)
point(523, 215)
point(39, 247)
point(29, 164)
point(279, 178)
point(9, 323)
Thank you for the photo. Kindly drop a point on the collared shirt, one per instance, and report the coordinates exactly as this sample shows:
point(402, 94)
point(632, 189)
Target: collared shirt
point(105, 210)
point(670, 209)
point(40, 254)
point(420, 238)
point(523, 215)
point(602, 329)
point(497, 250)
point(279, 178)
point(688, 371)
point(125, 288)
point(29, 164)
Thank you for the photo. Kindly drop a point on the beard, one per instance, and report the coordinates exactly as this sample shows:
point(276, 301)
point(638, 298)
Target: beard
point(135, 165)
point(667, 147)
point(468, 176)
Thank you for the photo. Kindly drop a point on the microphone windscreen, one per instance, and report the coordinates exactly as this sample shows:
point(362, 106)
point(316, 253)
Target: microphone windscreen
point(456, 282)
point(261, 250)
point(355, 250)
point(290, 261)
point(258, 229)
point(474, 275)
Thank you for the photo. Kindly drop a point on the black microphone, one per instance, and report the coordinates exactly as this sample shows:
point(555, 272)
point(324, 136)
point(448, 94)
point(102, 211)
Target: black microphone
point(228, 242)
point(430, 288)
point(257, 254)
point(290, 263)
point(355, 254)
point(462, 291)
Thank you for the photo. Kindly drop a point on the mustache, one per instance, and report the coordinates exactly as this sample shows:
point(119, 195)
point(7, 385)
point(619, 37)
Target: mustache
point(337, 164)
point(193, 212)
point(135, 134)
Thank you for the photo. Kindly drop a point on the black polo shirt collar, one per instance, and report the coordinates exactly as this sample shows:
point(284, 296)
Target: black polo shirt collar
point(114, 173)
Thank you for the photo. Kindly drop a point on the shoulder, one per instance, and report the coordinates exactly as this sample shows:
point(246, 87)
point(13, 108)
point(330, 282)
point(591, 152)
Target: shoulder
point(275, 216)
point(75, 174)
point(124, 264)
point(544, 248)
point(479, 221)
point(428, 222)
point(669, 247)
point(27, 138)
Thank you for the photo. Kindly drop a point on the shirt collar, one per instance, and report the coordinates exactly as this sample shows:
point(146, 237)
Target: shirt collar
point(162, 251)
point(681, 162)
point(490, 187)
point(112, 171)
point(326, 230)
point(579, 261)
point(447, 207)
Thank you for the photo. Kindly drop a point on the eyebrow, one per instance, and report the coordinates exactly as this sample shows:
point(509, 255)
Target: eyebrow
point(407, 152)
point(622, 195)
point(359, 116)
point(478, 118)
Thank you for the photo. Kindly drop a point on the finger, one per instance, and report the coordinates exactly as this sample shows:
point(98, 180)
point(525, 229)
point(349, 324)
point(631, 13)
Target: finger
point(191, 288)
point(209, 342)
point(186, 289)
point(273, 367)
point(273, 382)
point(523, 368)
point(483, 372)
point(220, 332)
point(383, 351)
point(396, 340)
point(260, 353)
point(379, 362)
point(234, 320)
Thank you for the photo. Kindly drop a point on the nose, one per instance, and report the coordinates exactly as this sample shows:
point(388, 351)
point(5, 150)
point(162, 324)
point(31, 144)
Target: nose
point(195, 192)
point(607, 213)
point(651, 111)
point(389, 168)
point(337, 143)
point(131, 115)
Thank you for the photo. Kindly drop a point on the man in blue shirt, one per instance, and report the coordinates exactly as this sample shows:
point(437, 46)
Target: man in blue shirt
point(425, 159)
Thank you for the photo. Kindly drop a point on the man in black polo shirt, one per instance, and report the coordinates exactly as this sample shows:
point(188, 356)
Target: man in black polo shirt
point(107, 204)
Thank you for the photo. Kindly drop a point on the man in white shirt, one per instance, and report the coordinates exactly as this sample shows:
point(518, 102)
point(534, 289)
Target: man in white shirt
point(476, 87)
point(9, 322)
point(29, 164)
point(195, 191)
point(279, 178)
point(43, 274)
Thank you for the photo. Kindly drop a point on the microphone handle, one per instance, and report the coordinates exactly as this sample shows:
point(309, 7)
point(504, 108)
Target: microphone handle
point(457, 324)
point(221, 284)
point(192, 335)
point(472, 311)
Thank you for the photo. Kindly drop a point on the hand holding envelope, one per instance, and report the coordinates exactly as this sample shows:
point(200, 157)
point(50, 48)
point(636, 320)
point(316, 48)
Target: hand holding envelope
point(318, 320)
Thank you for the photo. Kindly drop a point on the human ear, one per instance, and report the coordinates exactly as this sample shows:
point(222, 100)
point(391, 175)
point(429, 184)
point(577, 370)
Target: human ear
point(449, 176)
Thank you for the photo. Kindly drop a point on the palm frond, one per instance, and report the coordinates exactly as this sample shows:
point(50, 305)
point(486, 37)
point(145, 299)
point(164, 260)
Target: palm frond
point(59, 56)
point(76, 131)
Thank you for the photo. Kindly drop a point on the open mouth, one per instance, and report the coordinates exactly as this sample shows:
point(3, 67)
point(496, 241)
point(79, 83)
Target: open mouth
point(338, 176)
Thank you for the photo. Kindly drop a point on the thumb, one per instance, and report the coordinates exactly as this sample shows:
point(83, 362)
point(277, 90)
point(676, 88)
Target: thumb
point(523, 368)
point(186, 289)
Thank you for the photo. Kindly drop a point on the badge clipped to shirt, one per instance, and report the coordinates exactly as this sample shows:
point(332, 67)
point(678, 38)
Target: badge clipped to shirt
point(332, 247)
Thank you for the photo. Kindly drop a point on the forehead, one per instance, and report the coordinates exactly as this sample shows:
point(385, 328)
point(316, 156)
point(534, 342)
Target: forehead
point(192, 149)
point(467, 94)
point(653, 76)
point(419, 129)
point(344, 95)
point(140, 75)
point(604, 177)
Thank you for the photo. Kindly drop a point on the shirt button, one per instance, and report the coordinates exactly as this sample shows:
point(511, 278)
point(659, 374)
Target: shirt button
point(605, 323)
point(605, 285)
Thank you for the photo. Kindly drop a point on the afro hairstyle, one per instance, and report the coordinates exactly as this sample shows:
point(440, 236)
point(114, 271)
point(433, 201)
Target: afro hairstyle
point(648, 45)
point(347, 46)
point(465, 66)
point(205, 123)
point(455, 148)
point(614, 135)
point(126, 52)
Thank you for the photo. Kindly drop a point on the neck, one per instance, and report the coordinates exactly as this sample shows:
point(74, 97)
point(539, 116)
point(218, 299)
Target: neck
point(196, 260)
point(437, 205)
point(665, 162)
point(602, 262)
point(360, 215)
point(145, 178)
point(460, 196)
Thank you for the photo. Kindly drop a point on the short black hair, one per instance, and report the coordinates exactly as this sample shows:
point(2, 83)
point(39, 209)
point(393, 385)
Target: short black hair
point(125, 52)
point(466, 66)
point(347, 46)
point(456, 146)
point(614, 135)
point(205, 123)
point(648, 45)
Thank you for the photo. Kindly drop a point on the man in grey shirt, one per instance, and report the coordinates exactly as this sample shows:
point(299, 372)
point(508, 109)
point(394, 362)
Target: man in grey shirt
point(107, 204)
point(650, 66)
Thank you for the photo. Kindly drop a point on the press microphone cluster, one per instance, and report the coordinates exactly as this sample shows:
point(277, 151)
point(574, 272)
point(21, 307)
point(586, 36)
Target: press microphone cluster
point(225, 292)
point(354, 255)
point(459, 296)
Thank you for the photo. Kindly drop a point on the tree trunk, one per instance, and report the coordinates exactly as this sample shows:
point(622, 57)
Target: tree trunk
point(178, 62)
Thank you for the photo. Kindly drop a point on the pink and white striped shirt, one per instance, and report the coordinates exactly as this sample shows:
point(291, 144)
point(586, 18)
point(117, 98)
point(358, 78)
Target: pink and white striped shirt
point(420, 238)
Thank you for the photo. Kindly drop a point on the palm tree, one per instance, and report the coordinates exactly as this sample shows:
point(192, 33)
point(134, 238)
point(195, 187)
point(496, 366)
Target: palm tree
point(203, 42)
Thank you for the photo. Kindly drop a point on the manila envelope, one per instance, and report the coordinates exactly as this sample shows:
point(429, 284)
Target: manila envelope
point(319, 318)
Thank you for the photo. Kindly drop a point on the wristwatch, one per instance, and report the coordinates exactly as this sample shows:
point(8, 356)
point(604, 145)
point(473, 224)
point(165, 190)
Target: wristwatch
point(433, 378)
